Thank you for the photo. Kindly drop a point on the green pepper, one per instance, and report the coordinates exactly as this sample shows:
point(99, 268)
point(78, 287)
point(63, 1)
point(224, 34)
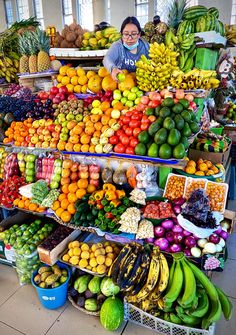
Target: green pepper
point(100, 214)
point(95, 211)
point(121, 209)
point(116, 231)
point(103, 226)
point(107, 208)
point(104, 202)
point(112, 224)
point(114, 212)
point(125, 201)
point(97, 222)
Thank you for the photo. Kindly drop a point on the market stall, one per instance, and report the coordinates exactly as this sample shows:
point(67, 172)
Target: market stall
point(120, 186)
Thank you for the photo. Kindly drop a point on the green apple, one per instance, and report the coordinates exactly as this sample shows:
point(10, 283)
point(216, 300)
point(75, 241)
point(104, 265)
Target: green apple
point(57, 170)
point(139, 94)
point(30, 165)
point(79, 117)
point(131, 96)
point(134, 89)
point(30, 158)
point(58, 162)
point(64, 137)
point(114, 102)
point(29, 179)
point(137, 101)
point(54, 185)
point(70, 117)
point(29, 172)
point(121, 76)
point(20, 156)
point(125, 93)
point(65, 130)
point(64, 124)
point(57, 178)
point(117, 94)
point(129, 103)
point(123, 100)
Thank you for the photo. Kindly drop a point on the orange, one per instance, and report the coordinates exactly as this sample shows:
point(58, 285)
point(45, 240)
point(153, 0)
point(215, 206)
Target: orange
point(71, 124)
point(95, 118)
point(74, 139)
point(59, 78)
point(69, 147)
point(92, 148)
point(85, 139)
point(55, 205)
point(86, 118)
point(21, 204)
point(82, 183)
point(105, 105)
point(72, 198)
point(108, 111)
point(112, 122)
point(33, 207)
point(97, 133)
point(190, 169)
point(102, 72)
point(65, 180)
point(104, 128)
point(64, 203)
point(203, 167)
point(71, 209)
point(80, 193)
point(90, 74)
point(74, 176)
point(41, 209)
point(199, 173)
point(192, 163)
point(70, 88)
point(65, 189)
point(209, 164)
point(27, 203)
point(72, 187)
point(89, 123)
point(61, 197)
point(91, 188)
point(15, 202)
point(82, 80)
point(67, 164)
point(74, 80)
point(89, 130)
point(65, 80)
point(77, 130)
point(98, 126)
point(59, 211)
point(118, 105)
point(105, 119)
point(77, 147)
point(63, 69)
point(80, 72)
point(66, 216)
point(84, 88)
point(61, 145)
point(65, 173)
point(71, 72)
point(77, 88)
point(81, 124)
point(84, 148)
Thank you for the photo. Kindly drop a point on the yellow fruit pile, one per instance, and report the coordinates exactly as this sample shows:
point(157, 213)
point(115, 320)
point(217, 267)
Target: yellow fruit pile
point(79, 81)
point(201, 168)
point(97, 257)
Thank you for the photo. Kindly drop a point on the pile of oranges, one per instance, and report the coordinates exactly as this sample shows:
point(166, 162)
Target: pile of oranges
point(19, 133)
point(201, 168)
point(75, 183)
point(25, 203)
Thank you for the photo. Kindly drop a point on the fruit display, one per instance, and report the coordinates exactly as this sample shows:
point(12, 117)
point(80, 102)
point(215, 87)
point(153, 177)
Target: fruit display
point(70, 37)
point(231, 114)
point(10, 190)
point(201, 167)
point(34, 49)
point(96, 257)
point(25, 203)
point(128, 98)
point(68, 111)
point(101, 39)
point(20, 92)
point(50, 276)
point(13, 107)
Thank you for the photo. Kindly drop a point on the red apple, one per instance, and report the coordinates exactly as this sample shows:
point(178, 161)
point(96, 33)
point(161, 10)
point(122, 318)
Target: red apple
point(51, 127)
point(179, 94)
point(140, 107)
point(192, 105)
point(144, 100)
point(154, 103)
point(56, 100)
point(63, 89)
point(54, 90)
point(155, 96)
point(61, 96)
point(71, 97)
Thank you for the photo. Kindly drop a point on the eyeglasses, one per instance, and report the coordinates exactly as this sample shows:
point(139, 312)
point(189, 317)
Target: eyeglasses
point(132, 35)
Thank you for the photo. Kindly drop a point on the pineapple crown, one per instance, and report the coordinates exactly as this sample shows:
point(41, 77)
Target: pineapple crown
point(43, 41)
point(176, 13)
point(23, 45)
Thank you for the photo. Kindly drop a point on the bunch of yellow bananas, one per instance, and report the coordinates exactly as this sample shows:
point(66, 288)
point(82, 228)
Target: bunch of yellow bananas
point(9, 66)
point(230, 33)
point(194, 79)
point(155, 73)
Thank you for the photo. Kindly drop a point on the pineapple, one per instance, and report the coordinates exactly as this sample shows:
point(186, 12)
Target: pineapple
point(157, 38)
point(24, 50)
point(43, 42)
point(161, 28)
point(33, 49)
point(176, 13)
point(149, 29)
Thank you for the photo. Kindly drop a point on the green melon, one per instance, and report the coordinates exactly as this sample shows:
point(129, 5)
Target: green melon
point(112, 313)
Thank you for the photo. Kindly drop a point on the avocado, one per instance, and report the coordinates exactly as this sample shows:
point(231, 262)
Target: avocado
point(154, 127)
point(153, 150)
point(184, 102)
point(144, 137)
point(177, 108)
point(179, 151)
point(169, 123)
point(173, 137)
point(194, 127)
point(140, 149)
point(160, 120)
point(179, 122)
point(164, 112)
point(193, 117)
point(161, 136)
point(186, 131)
point(168, 102)
point(184, 141)
point(165, 151)
point(157, 110)
point(186, 115)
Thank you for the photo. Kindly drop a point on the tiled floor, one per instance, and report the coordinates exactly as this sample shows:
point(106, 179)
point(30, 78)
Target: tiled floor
point(22, 313)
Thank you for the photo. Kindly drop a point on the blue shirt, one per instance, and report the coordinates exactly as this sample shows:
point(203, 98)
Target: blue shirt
point(119, 57)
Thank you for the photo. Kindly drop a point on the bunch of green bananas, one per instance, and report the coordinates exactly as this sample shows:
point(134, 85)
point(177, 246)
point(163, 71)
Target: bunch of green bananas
point(154, 73)
point(9, 66)
point(195, 79)
point(230, 33)
point(191, 298)
point(141, 277)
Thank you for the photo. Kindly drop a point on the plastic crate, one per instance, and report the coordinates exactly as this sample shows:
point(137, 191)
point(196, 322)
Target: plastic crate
point(139, 317)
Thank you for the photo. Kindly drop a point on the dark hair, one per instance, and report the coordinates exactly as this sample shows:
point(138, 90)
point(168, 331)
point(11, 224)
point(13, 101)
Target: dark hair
point(133, 20)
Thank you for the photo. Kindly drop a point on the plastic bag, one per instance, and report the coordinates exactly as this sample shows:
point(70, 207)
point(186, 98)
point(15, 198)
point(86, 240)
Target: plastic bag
point(107, 173)
point(198, 205)
point(146, 180)
point(119, 176)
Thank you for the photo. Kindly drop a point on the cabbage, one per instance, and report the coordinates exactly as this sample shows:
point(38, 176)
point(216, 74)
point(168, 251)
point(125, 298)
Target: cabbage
point(108, 288)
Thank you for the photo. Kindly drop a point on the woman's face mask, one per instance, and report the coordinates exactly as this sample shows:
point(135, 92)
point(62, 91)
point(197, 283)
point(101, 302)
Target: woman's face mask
point(131, 47)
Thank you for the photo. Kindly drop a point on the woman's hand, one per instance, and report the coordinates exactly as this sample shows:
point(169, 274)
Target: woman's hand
point(114, 73)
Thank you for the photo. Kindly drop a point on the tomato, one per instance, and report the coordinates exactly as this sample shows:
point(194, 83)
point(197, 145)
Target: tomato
point(136, 116)
point(114, 139)
point(145, 119)
point(129, 113)
point(130, 151)
point(124, 127)
point(144, 126)
point(152, 118)
point(136, 131)
point(133, 142)
point(126, 120)
point(120, 123)
point(120, 132)
point(134, 123)
point(119, 148)
point(129, 131)
point(124, 140)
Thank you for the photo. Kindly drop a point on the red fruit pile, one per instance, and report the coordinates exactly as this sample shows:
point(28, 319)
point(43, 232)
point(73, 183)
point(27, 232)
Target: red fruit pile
point(101, 96)
point(57, 95)
point(9, 190)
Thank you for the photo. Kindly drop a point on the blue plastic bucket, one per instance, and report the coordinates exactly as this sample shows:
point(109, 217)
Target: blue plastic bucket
point(52, 298)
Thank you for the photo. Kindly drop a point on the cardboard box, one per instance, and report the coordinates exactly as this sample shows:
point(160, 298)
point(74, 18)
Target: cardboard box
point(50, 257)
point(230, 217)
point(214, 157)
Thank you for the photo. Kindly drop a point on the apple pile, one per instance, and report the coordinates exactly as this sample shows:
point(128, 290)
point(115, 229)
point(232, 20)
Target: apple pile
point(49, 169)
point(128, 98)
point(30, 168)
point(11, 167)
point(44, 134)
point(101, 96)
point(57, 95)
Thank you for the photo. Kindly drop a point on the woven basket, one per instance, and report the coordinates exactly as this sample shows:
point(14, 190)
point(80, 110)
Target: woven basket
point(81, 308)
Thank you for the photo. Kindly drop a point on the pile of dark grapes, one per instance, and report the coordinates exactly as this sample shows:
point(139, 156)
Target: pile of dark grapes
point(209, 223)
point(15, 106)
point(41, 110)
point(56, 237)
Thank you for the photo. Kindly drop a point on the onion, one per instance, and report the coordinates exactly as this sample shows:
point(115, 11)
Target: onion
point(167, 224)
point(159, 231)
point(218, 230)
point(175, 248)
point(177, 209)
point(150, 240)
point(224, 234)
point(214, 238)
point(170, 236)
point(210, 248)
point(177, 229)
point(162, 243)
point(196, 252)
point(175, 220)
point(187, 252)
point(186, 233)
point(190, 241)
point(178, 237)
point(222, 242)
point(218, 248)
point(201, 242)
point(179, 201)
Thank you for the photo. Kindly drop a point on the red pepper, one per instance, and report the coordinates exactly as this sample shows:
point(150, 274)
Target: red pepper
point(109, 215)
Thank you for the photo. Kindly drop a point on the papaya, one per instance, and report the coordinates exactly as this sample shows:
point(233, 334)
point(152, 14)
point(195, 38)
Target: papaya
point(179, 122)
point(164, 112)
point(179, 151)
point(177, 108)
point(153, 128)
point(186, 131)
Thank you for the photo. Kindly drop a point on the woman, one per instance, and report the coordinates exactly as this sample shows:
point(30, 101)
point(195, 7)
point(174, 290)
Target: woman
point(124, 53)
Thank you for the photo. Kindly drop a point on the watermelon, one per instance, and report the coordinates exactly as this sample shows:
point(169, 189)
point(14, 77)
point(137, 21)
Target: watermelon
point(214, 11)
point(194, 12)
point(112, 313)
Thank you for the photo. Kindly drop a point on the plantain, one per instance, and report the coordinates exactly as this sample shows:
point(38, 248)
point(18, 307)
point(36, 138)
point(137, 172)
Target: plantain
point(175, 319)
point(132, 277)
point(176, 285)
point(187, 319)
point(225, 303)
point(127, 266)
point(164, 275)
point(202, 308)
point(115, 267)
point(189, 286)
